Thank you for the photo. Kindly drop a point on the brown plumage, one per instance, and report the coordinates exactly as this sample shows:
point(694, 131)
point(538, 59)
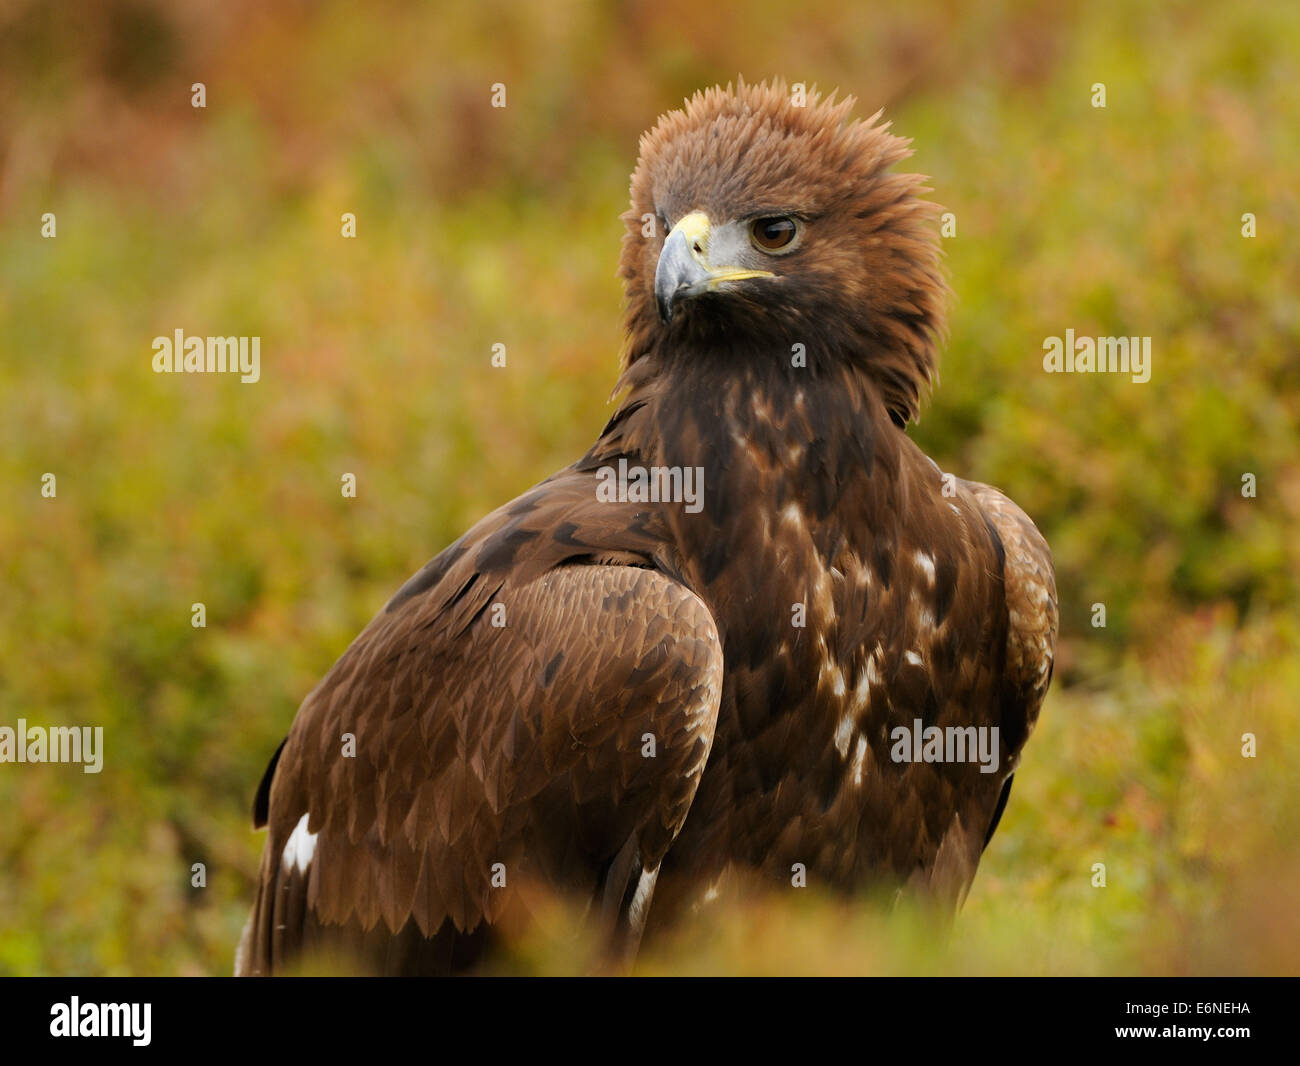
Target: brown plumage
point(829, 586)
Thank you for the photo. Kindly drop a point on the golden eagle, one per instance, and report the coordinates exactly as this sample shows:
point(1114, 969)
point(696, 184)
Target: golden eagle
point(754, 629)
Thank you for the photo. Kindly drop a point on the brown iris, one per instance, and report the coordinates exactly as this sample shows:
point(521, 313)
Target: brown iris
point(772, 234)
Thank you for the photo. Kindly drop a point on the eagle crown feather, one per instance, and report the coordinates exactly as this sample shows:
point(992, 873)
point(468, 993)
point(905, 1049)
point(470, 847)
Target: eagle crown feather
point(865, 288)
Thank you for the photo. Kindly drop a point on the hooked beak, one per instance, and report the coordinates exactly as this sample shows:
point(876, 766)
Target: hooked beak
point(684, 269)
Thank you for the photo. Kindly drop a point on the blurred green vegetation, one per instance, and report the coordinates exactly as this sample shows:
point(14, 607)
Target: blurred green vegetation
point(477, 226)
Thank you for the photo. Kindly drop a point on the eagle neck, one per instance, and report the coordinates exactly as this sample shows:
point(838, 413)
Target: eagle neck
point(769, 444)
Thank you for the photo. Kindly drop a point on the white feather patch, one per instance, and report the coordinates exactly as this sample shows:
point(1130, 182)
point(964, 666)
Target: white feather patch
point(859, 757)
point(300, 848)
point(843, 732)
point(645, 886)
point(926, 562)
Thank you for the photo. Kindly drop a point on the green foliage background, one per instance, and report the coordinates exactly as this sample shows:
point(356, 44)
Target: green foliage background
point(478, 226)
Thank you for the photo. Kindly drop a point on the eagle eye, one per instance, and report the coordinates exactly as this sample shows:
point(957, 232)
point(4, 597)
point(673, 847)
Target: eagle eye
point(773, 234)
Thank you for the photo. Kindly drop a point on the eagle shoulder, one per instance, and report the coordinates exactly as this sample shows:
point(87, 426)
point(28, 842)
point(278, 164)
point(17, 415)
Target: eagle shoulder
point(518, 721)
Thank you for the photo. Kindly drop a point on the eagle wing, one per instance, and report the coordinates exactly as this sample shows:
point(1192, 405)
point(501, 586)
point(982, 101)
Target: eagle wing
point(1030, 587)
point(535, 707)
point(1014, 680)
point(1029, 584)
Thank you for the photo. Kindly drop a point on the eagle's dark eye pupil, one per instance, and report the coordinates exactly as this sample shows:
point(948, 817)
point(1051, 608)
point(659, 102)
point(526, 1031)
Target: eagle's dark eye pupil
point(773, 233)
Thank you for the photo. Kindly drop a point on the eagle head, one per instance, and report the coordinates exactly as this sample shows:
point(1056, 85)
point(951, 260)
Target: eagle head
point(760, 220)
